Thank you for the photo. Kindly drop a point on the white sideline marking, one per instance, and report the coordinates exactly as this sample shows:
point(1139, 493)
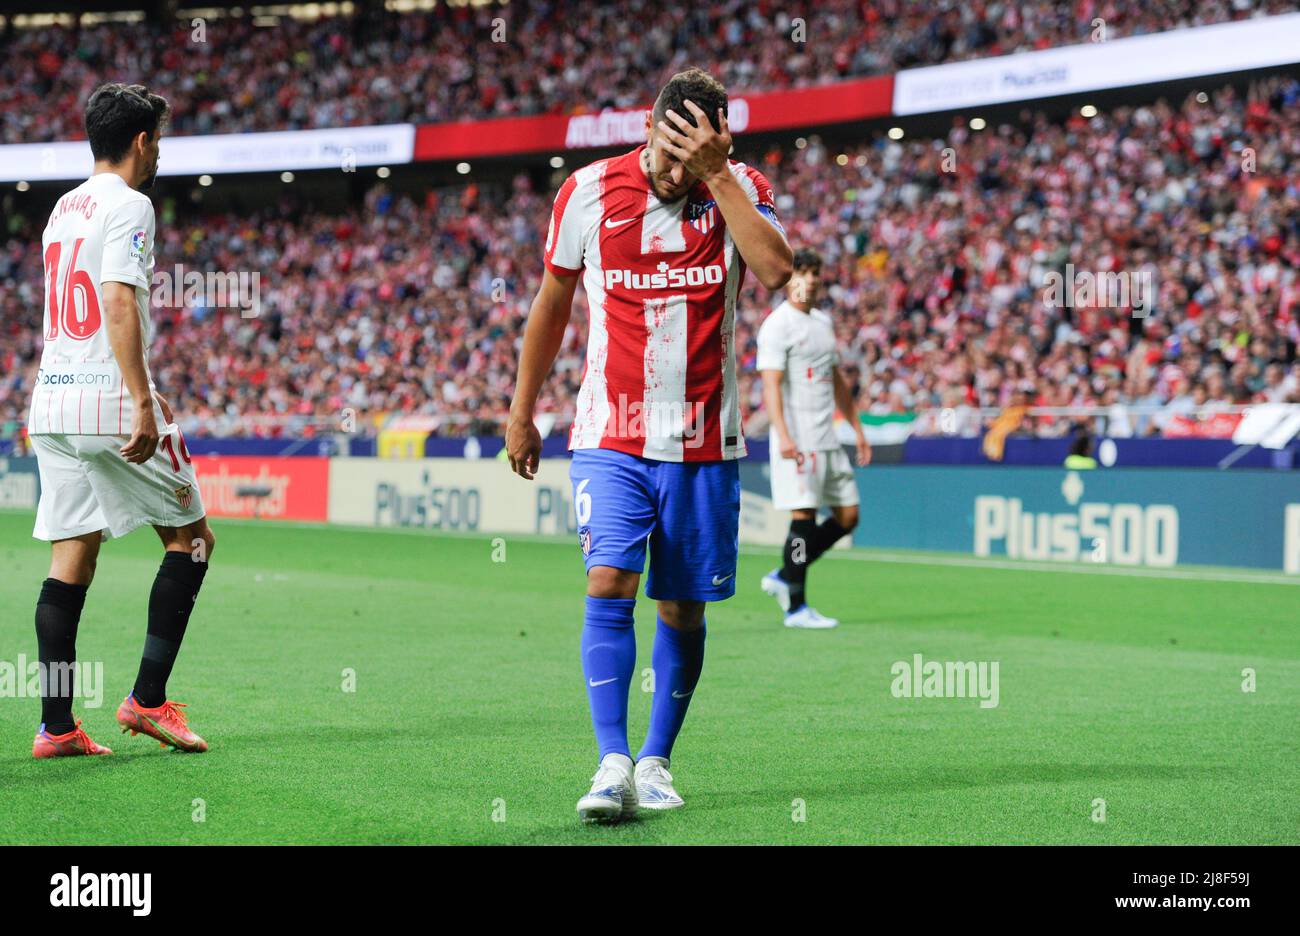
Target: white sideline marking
point(1195, 575)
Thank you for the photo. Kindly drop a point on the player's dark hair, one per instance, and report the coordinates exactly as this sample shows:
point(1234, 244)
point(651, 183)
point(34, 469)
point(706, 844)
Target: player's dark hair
point(698, 86)
point(805, 258)
point(116, 114)
point(1081, 444)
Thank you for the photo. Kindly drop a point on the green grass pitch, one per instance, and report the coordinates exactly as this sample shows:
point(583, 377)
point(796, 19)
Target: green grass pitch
point(469, 721)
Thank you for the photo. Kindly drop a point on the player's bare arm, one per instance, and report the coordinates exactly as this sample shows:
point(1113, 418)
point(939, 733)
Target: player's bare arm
point(123, 322)
point(775, 406)
point(547, 319)
point(845, 403)
point(703, 151)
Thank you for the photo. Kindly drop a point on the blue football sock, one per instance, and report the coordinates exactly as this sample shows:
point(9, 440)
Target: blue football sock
point(608, 661)
point(677, 659)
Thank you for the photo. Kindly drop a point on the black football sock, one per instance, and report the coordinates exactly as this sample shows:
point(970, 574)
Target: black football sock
point(795, 559)
point(823, 538)
point(175, 590)
point(58, 612)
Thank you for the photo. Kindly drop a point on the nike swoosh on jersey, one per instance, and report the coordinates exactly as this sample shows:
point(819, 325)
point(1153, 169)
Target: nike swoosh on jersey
point(611, 223)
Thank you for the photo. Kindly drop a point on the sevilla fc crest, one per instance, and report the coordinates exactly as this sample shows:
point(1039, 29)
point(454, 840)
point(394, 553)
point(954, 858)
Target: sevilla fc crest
point(703, 216)
point(185, 495)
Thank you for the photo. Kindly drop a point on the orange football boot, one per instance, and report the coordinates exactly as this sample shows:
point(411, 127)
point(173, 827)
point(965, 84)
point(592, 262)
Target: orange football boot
point(73, 744)
point(166, 723)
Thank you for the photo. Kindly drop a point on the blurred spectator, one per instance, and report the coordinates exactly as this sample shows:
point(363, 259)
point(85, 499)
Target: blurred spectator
point(461, 61)
point(935, 280)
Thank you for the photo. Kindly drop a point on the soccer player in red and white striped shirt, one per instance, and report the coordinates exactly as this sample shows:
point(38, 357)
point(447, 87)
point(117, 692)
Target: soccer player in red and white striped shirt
point(661, 238)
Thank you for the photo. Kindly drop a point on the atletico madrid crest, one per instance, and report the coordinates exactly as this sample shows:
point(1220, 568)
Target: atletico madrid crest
point(584, 540)
point(185, 495)
point(702, 215)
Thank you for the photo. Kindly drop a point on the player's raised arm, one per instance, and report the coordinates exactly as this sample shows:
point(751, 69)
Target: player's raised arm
point(122, 319)
point(547, 320)
point(703, 150)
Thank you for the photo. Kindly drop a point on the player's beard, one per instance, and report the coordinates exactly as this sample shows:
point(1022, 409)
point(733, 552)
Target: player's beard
point(149, 179)
point(660, 189)
point(664, 191)
point(665, 196)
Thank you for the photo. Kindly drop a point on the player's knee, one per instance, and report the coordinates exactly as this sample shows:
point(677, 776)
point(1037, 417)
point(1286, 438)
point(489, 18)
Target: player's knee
point(80, 571)
point(209, 540)
point(682, 615)
point(197, 539)
point(74, 566)
point(608, 582)
point(848, 519)
point(198, 545)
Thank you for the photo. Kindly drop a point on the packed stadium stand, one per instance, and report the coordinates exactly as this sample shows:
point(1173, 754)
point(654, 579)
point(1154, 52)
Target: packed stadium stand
point(442, 65)
point(394, 307)
point(414, 301)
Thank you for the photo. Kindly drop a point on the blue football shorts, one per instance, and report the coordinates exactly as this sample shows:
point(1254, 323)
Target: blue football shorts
point(687, 514)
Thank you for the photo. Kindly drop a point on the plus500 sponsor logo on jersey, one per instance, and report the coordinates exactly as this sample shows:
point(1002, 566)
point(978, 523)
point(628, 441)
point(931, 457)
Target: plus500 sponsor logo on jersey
point(666, 277)
point(1123, 534)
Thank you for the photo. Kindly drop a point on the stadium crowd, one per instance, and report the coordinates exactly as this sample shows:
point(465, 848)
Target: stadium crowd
point(455, 62)
point(937, 254)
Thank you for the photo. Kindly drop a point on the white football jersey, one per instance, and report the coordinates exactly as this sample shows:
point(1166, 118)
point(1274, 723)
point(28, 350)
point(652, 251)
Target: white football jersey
point(802, 345)
point(100, 232)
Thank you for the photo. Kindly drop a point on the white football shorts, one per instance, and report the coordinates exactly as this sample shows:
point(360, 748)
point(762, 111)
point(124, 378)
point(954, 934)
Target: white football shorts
point(825, 480)
point(86, 485)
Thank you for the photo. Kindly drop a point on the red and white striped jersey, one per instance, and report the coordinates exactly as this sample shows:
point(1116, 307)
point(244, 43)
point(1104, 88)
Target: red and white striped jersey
point(662, 280)
point(100, 232)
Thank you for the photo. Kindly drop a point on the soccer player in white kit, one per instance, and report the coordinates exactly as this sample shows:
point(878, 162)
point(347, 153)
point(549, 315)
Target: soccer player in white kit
point(802, 388)
point(110, 457)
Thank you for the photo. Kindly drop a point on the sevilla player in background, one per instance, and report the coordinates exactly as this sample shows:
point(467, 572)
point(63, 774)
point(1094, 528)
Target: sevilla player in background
point(110, 457)
point(661, 238)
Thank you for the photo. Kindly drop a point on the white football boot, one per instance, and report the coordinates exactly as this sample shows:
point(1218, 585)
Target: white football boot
point(809, 618)
point(654, 784)
point(778, 588)
point(613, 792)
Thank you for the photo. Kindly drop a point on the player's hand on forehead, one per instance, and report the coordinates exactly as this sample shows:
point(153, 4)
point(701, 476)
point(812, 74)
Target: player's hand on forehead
point(701, 149)
point(702, 121)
